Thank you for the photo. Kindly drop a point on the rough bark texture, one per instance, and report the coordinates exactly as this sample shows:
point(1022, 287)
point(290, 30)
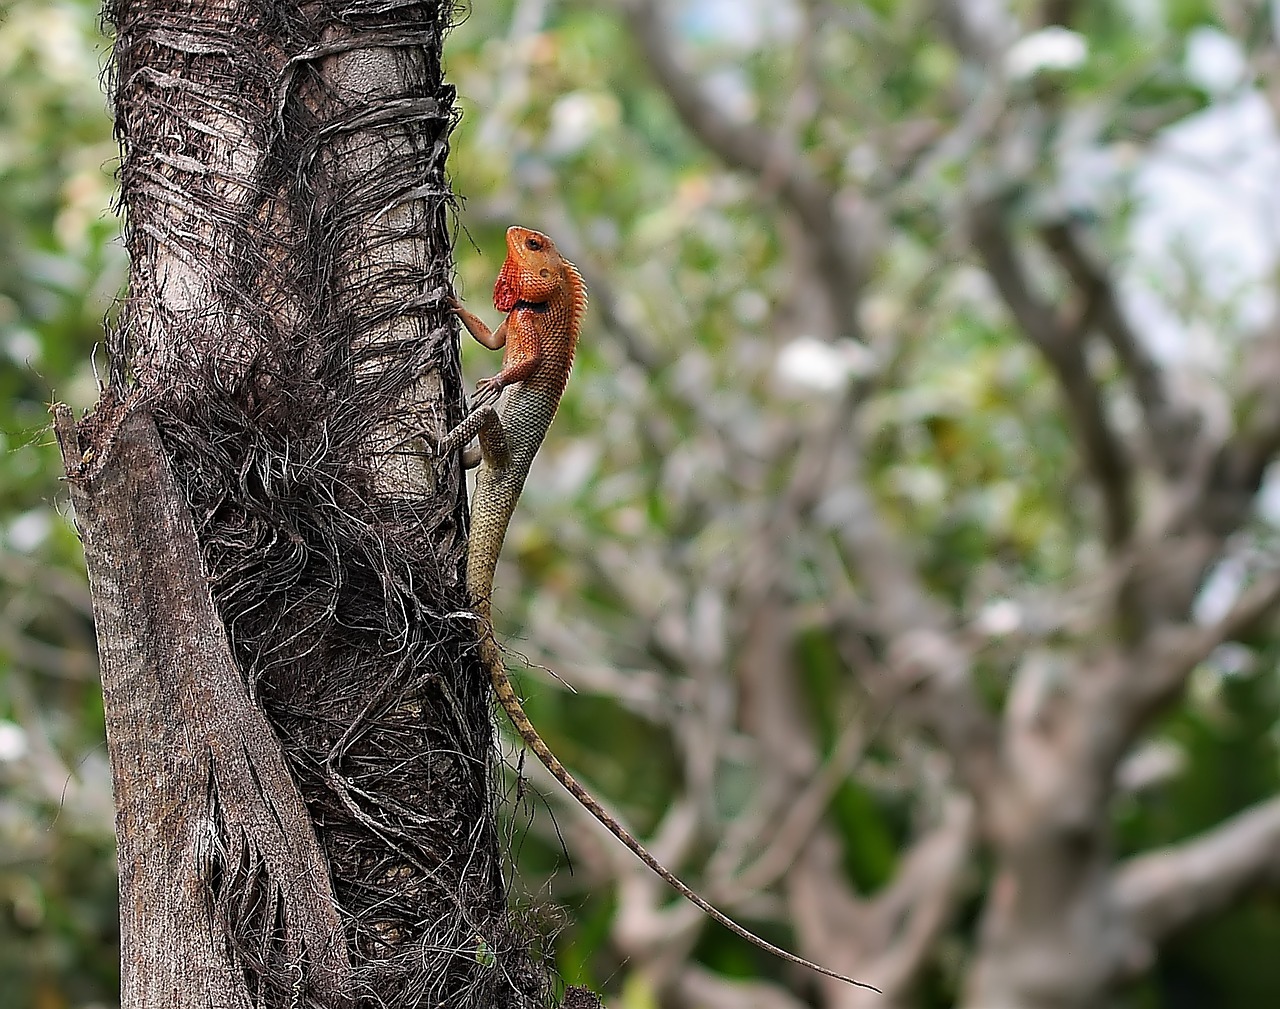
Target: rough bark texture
point(214, 841)
point(300, 737)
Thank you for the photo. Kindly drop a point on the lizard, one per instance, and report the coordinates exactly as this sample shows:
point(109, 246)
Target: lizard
point(544, 299)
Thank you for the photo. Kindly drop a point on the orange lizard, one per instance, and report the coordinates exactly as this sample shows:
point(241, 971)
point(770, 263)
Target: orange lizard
point(544, 299)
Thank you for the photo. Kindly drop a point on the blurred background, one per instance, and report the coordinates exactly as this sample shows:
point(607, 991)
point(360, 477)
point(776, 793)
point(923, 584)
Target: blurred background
point(904, 312)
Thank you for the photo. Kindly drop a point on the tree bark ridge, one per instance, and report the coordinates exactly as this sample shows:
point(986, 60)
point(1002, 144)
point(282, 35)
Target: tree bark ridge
point(201, 788)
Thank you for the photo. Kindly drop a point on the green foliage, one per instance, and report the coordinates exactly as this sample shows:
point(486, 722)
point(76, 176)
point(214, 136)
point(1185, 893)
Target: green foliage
point(970, 450)
point(1227, 744)
point(58, 945)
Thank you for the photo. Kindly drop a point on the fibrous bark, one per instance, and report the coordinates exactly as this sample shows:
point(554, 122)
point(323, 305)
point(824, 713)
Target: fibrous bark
point(300, 737)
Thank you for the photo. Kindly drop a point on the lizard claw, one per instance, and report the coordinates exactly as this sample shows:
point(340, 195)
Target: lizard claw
point(488, 389)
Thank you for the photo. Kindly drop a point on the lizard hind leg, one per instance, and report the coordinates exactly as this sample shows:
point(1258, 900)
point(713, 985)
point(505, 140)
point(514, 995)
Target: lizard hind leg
point(485, 425)
point(471, 457)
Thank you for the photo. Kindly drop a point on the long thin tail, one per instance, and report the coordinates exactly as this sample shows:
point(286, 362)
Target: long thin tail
point(492, 658)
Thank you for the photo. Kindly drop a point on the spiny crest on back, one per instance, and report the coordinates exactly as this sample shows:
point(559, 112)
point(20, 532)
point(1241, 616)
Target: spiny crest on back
point(578, 292)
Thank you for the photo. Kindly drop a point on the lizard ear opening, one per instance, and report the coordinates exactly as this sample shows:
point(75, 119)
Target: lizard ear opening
point(506, 289)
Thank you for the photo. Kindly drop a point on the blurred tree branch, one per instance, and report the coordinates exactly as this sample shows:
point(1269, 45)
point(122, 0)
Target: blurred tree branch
point(1063, 351)
point(1171, 425)
point(1175, 652)
point(1162, 891)
point(829, 223)
point(894, 520)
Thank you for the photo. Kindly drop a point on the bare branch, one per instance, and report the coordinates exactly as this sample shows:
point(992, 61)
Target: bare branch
point(1164, 890)
point(761, 153)
point(640, 691)
point(645, 919)
point(831, 920)
point(979, 29)
point(919, 903)
point(926, 660)
point(1170, 425)
point(1175, 652)
point(1219, 494)
point(28, 573)
point(890, 938)
point(1103, 452)
point(805, 813)
point(25, 651)
point(1237, 471)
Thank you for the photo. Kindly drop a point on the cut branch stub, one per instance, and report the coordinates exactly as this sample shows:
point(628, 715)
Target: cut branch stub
point(206, 812)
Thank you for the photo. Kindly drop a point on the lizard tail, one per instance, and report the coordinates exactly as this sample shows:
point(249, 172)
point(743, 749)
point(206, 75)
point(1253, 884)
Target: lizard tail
point(492, 658)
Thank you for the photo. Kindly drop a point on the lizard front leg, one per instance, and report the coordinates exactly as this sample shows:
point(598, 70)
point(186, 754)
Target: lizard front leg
point(517, 371)
point(493, 339)
point(484, 423)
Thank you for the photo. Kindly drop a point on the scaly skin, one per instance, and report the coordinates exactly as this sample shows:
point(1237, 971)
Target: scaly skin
point(544, 298)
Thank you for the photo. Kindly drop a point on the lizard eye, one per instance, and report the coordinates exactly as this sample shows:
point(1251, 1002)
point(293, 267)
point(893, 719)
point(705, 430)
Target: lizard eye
point(533, 244)
point(544, 273)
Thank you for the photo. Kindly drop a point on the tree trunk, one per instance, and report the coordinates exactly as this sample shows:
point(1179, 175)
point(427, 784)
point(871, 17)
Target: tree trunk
point(1049, 939)
point(299, 733)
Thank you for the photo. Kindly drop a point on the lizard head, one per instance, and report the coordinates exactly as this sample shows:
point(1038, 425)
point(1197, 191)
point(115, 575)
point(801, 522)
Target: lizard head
point(533, 271)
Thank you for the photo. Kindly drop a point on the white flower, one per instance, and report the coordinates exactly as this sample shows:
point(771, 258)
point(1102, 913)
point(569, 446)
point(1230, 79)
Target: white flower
point(13, 741)
point(810, 363)
point(1052, 48)
point(576, 119)
point(999, 618)
point(29, 530)
point(1215, 61)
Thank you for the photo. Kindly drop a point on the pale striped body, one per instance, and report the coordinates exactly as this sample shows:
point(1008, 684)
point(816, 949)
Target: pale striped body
point(525, 419)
